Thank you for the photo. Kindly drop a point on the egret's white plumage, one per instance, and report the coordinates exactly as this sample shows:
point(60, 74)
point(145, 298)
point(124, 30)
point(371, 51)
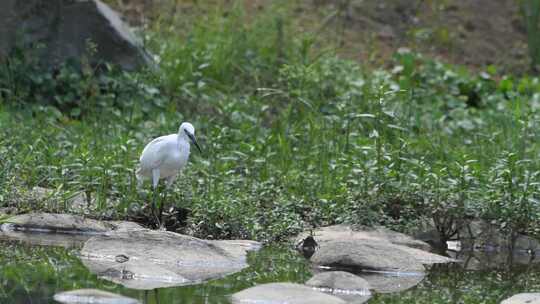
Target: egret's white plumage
point(165, 156)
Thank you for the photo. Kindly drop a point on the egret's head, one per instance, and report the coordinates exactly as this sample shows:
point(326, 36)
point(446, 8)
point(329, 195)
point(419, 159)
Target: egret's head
point(187, 127)
point(188, 131)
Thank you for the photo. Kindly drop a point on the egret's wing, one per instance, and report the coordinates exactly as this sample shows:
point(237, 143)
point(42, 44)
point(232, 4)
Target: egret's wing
point(151, 156)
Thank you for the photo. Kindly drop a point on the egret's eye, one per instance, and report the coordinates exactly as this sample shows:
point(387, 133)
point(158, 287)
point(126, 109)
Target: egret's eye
point(186, 131)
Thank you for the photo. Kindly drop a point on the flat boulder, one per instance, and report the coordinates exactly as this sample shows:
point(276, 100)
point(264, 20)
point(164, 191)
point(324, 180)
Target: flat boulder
point(45, 239)
point(346, 232)
point(523, 298)
point(283, 293)
point(344, 285)
point(148, 259)
point(62, 223)
point(92, 296)
point(425, 257)
point(68, 29)
point(370, 249)
point(371, 255)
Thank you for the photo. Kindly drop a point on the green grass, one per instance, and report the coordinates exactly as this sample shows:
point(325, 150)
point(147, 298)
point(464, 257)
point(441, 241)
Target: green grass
point(293, 136)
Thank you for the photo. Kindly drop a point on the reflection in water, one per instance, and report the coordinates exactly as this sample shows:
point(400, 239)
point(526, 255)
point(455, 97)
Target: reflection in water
point(388, 283)
point(482, 260)
point(33, 274)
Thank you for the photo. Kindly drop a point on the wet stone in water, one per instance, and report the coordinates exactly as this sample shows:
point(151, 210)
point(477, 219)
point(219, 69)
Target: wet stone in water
point(345, 285)
point(155, 259)
point(389, 283)
point(372, 255)
point(92, 296)
point(283, 293)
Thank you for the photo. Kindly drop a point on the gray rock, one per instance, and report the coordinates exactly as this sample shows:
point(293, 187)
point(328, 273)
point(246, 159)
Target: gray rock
point(344, 285)
point(92, 296)
point(344, 232)
point(375, 249)
point(388, 282)
point(366, 255)
point(283, 293)
point(523, 298)
point(40, 193)
point(76, 203)
point(427, 258)
point(398, 238)
point(7, 211)
point(65, 27)
point(153, 259)
point(62, 223)
point(46, 239)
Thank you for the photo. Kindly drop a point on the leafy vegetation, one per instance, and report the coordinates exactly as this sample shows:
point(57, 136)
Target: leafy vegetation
point(293, 135)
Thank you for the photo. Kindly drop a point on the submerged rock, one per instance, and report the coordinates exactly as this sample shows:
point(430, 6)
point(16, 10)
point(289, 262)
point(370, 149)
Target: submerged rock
point(366, 255)
point(283, 293)
point(344, 285)
point(392, 282)
point(523, 298)
point(63, 223)
point(92, 296)
point(148, 259)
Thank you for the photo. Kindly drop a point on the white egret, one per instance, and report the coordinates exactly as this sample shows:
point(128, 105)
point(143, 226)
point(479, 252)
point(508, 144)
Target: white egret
point(164, 157)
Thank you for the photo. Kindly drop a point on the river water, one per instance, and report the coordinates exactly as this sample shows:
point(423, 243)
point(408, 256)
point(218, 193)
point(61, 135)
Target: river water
point(32, 273)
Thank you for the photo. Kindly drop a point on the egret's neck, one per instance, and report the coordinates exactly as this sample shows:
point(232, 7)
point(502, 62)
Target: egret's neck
point(183, 140)
point(182, 136)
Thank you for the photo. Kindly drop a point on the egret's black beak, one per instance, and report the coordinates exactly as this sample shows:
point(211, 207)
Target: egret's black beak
point(193, 140)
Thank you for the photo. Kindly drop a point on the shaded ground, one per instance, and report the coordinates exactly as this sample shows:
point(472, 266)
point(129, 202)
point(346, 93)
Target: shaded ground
point(474, 33)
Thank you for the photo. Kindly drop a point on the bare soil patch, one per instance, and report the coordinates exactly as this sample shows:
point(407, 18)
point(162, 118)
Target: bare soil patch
point(474, 33)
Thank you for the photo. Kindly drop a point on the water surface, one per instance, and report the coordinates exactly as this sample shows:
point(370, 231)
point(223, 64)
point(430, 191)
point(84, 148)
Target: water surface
point(33, 274)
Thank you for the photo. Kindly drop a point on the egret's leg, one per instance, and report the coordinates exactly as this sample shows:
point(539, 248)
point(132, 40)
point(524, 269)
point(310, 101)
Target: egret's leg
point(160, 210)
point(140, 181)
point(170, 180)
point(155, 177)
point(156, 295)
point(155, 180)
point(154, 206)
point(168, 183)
